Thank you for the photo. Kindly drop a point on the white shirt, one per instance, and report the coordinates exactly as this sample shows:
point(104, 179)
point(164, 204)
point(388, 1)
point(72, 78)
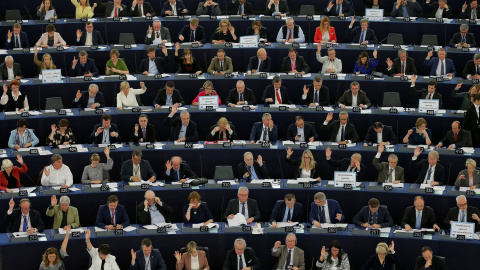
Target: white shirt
point(263, 130)
point(327, 214)
point(354, 100)
point(305, 174)
point(110, 263)
point(240, 209)
point(60, 177)
point(4, 100)
point(439, 13)
point(326, 36)
point(438, 72)
point(174, 9)
point(243, 260)
point(113, 15)
point(11, 76)
point(379, 137)
point(154, 33)
point(136, 168)
point(194, 264)
point(130, 100)
point(476, 111)
point(339, 134)
point(428, 181)
point(300, 131)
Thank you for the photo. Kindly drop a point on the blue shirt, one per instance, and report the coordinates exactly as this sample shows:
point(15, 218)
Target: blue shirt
point(155, 215)
point(300, 39)
point(364, 70)
point(152, 67)
point(285, 216)
point(169, 100)
point(405, 12)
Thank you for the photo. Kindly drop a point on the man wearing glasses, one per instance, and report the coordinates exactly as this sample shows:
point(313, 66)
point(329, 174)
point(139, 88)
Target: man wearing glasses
point(23, 220)
point(463, 213)
point(388, 172)
point(153, 210)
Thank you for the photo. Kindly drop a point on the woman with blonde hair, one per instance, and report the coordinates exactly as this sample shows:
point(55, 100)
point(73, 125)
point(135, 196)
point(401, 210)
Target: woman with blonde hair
point(224, 33)
point(46, 63)
point(10, 175)
point(83, 9)
point(307, 167)
point(469, 177)
point(467, 97)
point(52, 259)
point(419, 134)
point(93, 173)
point(384, 259)
point(127, 97)
point(206, 90)
point(325, 33)
point(193, 259)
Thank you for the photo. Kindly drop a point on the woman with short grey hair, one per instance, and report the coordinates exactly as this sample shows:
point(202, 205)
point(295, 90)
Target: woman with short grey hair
point(10, 175)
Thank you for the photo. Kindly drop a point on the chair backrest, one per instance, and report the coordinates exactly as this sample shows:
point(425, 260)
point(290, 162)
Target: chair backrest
point(39, 179)
point(429, 40)
point(13, 15)
point(54, 103)
point(395, 39)
point(469, 138)
point(307, 10)
point(139, 100)
point(310, 123)
point(106, 175)
point(391, 99)
point(207, 251)
point(126, 38)
point(223, 172)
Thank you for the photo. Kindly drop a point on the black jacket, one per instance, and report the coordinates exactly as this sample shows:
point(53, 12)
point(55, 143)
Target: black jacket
point(356, 32)
point(150, 134)
point(457, 38)
point(191, 134)
point(397, 67)
point(438, 263)
point(308, 132)
point(314, 173)
point(263, 33)
point(350, 132)
point(282, 7)
point(423, 94)
point(161, 97)
point(159, 61)
point(233, 208)
point(261, 172)
point(231, 260)
point(464, 139)
point(143, 217)
point(269, 92)
point(387, 135)
point(422, 165)
point(300, 64)
point(453, 215)
point(248, 96)
point(108, 7)
point(216, 135)
point(17, 71)
point(147, 8)
point(13, 220)
point(343, 164)
point(410, 217)
point(470, 69)
point(323, 96)
point(83, 101)
point(233, 8)
point(96, 38)
point(185, 172)
point(98, 139)
point(434, 7)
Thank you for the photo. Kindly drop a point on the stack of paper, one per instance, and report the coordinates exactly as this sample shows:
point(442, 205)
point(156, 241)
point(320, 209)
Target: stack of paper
point(209, 225)
point(237, 220)
point(62, 231)
point(285, 224)
point(334, 225)
point(436, 188)
point(232, 182)
point(463, 189)
point(399, 185)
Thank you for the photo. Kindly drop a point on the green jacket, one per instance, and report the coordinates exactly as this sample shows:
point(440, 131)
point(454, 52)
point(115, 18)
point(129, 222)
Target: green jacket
point(57, 214)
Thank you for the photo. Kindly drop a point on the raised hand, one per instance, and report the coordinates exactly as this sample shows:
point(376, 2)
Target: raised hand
point(430, 54)
point(78, 96)
point(11, 204)
point(87, 234)
point(79, 33)
point(5, 89)
point(392, 247)
point(54, 128)
point(260, 160)
point(305, 90)
point(330, 5)
point(389, 62)
point(329, 117)
point(328, 152)
point(9, 34)
point(142, 85)
point(271, 124)
point(20, 159)
point(74, 62)
point(35, 50)
point(458, 86)
point(150, 30)
point(177, 46)
point(289, 151)
point(168, 164)
point(277, 245)
point(323, 252)
point(417, 151)
point(53, 200)
point(178, 256)
point(136, 128)
point(375, 53)
point(164, 50)
point(46, 171)
point(464, 7)
point(414, 78)
point(99, 130)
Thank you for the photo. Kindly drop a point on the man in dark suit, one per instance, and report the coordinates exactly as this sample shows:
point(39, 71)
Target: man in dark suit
point(419, 216)
point(463, 39)
point(17, 38)
point(174, 8)
point(264, 131)
point(241, 257)
point(252, 169)
point(374, 215)
point(286, 210)
point(106, 132)
point(89, 37)
point(316, 94)
point(23, 219)
point(259, 63)
point(240, 7)
point(193, 32)
point(406, 8)
point(176, 170)
point(380, 134)
point(168, 96)
point(342, 130)
point(10, 70)
point(388, 172)
point(113, 9)
point(222, 131)
point(155, 260)
point(429, 261)
point(183, 129)
point(294, 63)
point(86, 67)
point(89, 99)
point(153, 210)
point(354, 164)
point(243, 205)
point(152, 64)
point(301, 132)
point(439, 9)
point(456, 137)
point(141, 8)
point(277, 6)
point(157, 34)
point(463, 213)
point(362, 34)
point(339, 8)
point(241, 95)
point(441, 65)
point(137, 169)
point(471, 120)
point(430, 172)
point(112, 215)
point(429, 93)
point(317, 210)
point(472, 68)
point(276, 93)
point(471, 11)
point(402, 65)
point(143, 131)
point(354, 97)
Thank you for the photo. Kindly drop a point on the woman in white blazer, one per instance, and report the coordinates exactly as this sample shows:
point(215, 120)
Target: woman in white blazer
point(50, 38)
point(100, 254)
point(128, 96)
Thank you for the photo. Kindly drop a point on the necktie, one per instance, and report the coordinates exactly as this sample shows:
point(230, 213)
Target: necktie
point(249, 169)
point(429, 96)
point(277, 92)
point(140, 10)
point(192, 36)
point(293, 65)
point(362, 36)
point(456, 137)
point(419, 221)
point(113, 217)
point(174, 10)
point(338, 9)
point(17, 42)
point(474, 14)
point(240, 10)
point(478, 70)
point(243, 209)
point(116, 14)
point(177, 175)
point(144, 131)
point(342, 135)
point(428, 174)
point(25, 223)
point(137, 171)
point(265, 131)
point(289, 34)
point(315, 98)
point(442, 68)
point(147, 265)
point(289, 214)
point(403, 67)
point(322, 214)
point(221, 65)
point(103, 265)
point(240, 262)
point(288, 259)
point(158, 34)
point(462, 219)
point(390, 180)
point(259, 66)
point(463, 39)
point(89, 39)
point(241, 97)
point(209, 10)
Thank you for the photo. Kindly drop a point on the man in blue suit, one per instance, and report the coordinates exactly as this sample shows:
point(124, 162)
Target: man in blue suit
point(440, 65)
point(137, 169)
point(288, 210)
point(174, 8)
point(361, 34)
point(86, 67)
point(193, 32)
point(89, 99)
point(339, 8)
point(380, 134)
point(429, 171)
point(324, 211)
point(259, 63)
point(264, 131)
point(374, 215)
point(17, 38)
point(112, 215)
point(301, 132)
point(147, 256)
point(406, 8)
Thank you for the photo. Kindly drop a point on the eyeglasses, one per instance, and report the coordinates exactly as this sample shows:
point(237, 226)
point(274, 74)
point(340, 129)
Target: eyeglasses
point(462, 205)
point(25, 209)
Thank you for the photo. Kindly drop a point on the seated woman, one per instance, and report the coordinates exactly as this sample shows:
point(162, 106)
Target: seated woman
point(307, 167)
point(325, 33)
point(83, 9)
point(115, 66)
point(100, 257)
point(382, 260)
point(127, 97)
point(196, 211)
point(187, 63)
point(192, 259)
point(207, 91)
point(93, 173)
point(419, 134)
point(62, 135)
point(10, 175)
point(50, 38)
point(46, 63)
point(14, 100)
point(22, 137)
point(334, 258)
point(45, 6)
point(52, 259)
point(365, 65)
point(258, 30)
point(467, 97)
point(224, 33)
point(470, 177)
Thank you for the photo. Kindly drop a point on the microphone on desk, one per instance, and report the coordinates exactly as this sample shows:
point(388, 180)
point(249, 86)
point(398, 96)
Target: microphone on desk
point(28, 11)
point(136, 221)
point(381, 41)
point(221, 212)
point(313, 259)
point(280, 166)
point(33, 182)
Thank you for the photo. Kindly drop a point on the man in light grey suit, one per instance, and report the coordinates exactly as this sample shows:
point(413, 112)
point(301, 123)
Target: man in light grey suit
point(388, 172)
point(291, 257)
point(157, 32)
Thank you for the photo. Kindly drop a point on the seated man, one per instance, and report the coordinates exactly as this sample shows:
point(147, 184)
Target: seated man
point(430, 172)
point(316, 94)
point(440, 66)
point(89, 37)
point(106, 132)
point(23, 219)
point(208, 7)
point(275, 6)
point(178, 171)
point(373, 216)
point(221, 64)
point(240, 7)
point(439, 9)
point(463, 213)
point(86, 67)
point(168, 96)
point(174, 8)
point(347, 165)
point(113, 8)
point(112, 215)
point(324, 211)
point(241, 257)
point(471, 120)
point(57, 174)
point(354, 97)
point(380, 134)
point(472, 68)
point(429, 93)
point(294, 63)
point(157, 34)
point(470, 12)
point(276, 93)
point(17, 38)
point(183, 129)
point(339, 8)
point(243, 205)
point(290, 33)
point(222, 131)
point(252, 169)
point(286, 261)
point(301, 132)
point(137, 169)
point(259, 63)
point(419, 216)
point(362, 34)
point(241, 95)
point(402, 65)
point(330, 63)
point(456, 137)
point(143, 131)
point(148, 257)
point(388, 172)
point(153, 210)
point(193, 32)
point(342, 130)
point(265, 131)
point(153, 65)
point(406, 8)
point(89, 99)
point(10, 70)
point(141, 8)
point(429, 261)
point(286, 210)
point(64, 215)
point(463, 39)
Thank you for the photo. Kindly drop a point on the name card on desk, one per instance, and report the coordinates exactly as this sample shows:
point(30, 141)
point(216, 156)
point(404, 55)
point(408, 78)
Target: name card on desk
point(51, 75)
point(25, 114)
point(63, 190)
point(23, 193)
point(428, 104)
point(161, 230)
point(374, 14)
point(249, 42)
point(34, 151)
point(462, 228)
point(342, 178)
point(76, 234)
point(119, 232)
point(33, 237)
point(205, 101)
point(98, 111)
point(87, 78)
point(374, 231)
point(203, 228)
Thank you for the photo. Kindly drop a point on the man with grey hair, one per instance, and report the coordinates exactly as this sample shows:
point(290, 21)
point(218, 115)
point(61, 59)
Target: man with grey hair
point(183, 129)
point(402, 65)
point(430, 172)
point(347, 165)
point(241, 95)
point(342, 131)
point(265, 131)
point(10, 70)
point(354, 97)
point(137, 169)
point(323, 210)
point(91, 99)
point(243, 205)
point(259, 63)
point(456, 137)
point(290, 32)
point(153, 210)
point(439, 9)
point(388, 172)
point(86, 67)
point(64, 215)
point(252, 169)
point(241, 257)
point(290, 256)
point(277, 6)
point(362, 34)
point(463, 39)
point(472, 68)
point(157, 34)
point(276, 93)
point(330, 63)
point(23, 218)
point(463, 213)
point(316, 94)
point(57, 174)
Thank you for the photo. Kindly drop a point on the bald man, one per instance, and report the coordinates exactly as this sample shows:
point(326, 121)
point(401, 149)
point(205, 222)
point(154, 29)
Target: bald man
point(153, 210)
point(176, 171)
point(456, 138)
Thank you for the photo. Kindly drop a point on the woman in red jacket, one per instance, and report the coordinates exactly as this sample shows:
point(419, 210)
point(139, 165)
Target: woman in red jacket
point(10, 175)
point(325, 33)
